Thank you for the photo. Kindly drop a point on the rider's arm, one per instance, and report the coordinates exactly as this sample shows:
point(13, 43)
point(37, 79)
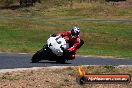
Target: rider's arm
point(65, 35)
point(75, 45)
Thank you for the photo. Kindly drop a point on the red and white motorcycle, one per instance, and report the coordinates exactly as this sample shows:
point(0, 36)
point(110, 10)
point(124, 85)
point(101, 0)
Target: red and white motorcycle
point(54, 50)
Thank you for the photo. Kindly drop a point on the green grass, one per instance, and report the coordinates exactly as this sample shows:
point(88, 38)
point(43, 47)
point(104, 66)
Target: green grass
point(109, 39)
point(27, 29)
point(18, 40)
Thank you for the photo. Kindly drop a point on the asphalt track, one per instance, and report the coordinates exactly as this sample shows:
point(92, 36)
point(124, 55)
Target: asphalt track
point(11, 61)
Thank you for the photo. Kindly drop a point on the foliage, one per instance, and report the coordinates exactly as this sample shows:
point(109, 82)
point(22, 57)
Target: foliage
point(7, 3)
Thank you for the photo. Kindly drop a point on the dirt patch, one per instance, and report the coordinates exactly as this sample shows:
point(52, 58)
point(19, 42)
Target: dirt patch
point(58, 78)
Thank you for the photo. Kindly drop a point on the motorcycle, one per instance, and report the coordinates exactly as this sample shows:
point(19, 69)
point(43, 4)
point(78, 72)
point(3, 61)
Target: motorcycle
point(54, 50)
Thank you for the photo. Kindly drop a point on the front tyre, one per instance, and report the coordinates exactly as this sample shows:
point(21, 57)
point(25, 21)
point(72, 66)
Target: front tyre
point(39, 55)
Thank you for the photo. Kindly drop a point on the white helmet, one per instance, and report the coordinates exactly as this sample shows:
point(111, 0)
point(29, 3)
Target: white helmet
point(75, 31)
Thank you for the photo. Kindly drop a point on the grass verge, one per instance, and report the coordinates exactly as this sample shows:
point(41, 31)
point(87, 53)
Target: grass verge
point(60, 78)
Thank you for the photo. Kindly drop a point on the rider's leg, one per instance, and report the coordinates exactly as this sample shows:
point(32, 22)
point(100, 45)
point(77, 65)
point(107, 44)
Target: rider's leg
point(81, 43)
point(72, 56)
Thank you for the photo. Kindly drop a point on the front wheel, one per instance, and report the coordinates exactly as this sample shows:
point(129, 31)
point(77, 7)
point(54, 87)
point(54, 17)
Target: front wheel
point(39, 55)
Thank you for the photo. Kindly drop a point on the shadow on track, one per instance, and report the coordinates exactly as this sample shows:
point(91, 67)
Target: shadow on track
point(51, 62)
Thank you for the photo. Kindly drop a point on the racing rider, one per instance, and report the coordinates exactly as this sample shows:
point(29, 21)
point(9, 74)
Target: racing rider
point(73, 38)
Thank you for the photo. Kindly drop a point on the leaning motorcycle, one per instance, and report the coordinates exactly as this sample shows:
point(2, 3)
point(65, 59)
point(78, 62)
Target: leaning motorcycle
point(54, 50)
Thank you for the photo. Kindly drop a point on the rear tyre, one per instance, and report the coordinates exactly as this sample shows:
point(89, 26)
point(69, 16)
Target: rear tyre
point(39, 55)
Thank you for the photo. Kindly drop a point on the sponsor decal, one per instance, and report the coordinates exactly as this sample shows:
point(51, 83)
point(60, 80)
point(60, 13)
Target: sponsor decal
point(101, 78)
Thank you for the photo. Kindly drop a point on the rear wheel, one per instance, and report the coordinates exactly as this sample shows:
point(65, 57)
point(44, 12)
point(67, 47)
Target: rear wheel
point(39, 55)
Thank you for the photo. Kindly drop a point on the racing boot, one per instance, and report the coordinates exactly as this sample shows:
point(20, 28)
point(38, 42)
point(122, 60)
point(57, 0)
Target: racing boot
point(71, 57)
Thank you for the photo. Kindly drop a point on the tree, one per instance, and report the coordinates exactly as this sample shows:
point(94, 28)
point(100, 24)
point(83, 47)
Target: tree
point(28, 2)
point(7, 3)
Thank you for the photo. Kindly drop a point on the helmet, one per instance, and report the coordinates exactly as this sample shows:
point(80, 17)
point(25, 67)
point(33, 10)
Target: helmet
point(75, 31)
